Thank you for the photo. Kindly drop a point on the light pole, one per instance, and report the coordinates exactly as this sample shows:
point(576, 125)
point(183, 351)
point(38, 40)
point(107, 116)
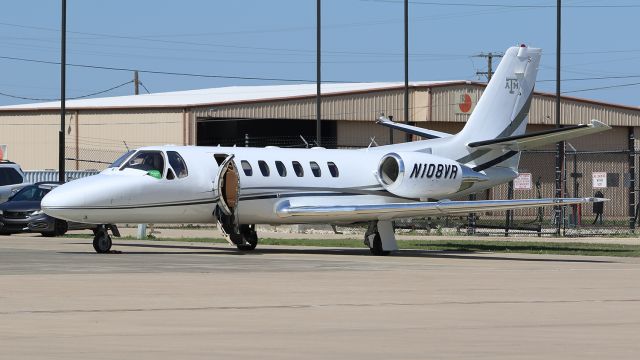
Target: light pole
point(63, 78)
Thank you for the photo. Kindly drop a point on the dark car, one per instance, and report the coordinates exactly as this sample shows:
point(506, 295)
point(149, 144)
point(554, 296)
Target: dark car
point(22, 213)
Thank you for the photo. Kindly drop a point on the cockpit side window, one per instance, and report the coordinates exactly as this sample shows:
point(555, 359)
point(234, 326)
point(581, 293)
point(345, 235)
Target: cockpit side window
point(177, 163)
point(146, 161)
point(121, 159)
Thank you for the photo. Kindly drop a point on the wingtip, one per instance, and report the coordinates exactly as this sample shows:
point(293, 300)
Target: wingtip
point(599, 124)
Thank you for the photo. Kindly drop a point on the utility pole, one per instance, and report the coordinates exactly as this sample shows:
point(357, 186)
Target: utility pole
point(318, 77)
point(136, 83)
point(406, 66)
point(489, 57)
point(63, 78)
point(560, 146)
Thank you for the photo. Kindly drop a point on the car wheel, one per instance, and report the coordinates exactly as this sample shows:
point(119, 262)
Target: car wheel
point(60, 227)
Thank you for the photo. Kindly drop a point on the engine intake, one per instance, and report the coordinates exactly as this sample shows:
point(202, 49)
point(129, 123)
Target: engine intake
point(423, 176)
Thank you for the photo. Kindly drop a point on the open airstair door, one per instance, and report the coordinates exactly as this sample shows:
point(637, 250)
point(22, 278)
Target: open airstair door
point(227, 184)
point(228, 187)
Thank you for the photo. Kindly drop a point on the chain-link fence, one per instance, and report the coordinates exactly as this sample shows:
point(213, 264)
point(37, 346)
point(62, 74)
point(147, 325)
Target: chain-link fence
point(585, 174)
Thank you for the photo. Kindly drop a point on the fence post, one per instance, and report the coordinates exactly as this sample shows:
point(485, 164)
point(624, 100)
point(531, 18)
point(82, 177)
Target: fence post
point(632, 179)
point(471, 219)
point(509, 215)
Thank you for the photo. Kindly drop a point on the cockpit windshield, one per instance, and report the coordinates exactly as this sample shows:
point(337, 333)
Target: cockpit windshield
point(146, 161)
point(121, 159)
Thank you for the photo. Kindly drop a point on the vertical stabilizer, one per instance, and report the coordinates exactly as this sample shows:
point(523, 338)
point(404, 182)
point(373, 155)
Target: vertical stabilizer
point(503, 108)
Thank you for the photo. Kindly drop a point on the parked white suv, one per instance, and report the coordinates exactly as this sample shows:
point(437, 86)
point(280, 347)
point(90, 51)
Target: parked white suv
point(12, 179)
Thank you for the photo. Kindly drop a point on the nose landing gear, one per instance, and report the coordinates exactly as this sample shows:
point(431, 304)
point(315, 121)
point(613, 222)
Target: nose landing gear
point(101, 239)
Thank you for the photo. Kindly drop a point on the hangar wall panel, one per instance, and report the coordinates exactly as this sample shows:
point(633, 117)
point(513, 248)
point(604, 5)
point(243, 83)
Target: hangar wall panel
point(348, 107)
point(101, 135)
point(31, 138)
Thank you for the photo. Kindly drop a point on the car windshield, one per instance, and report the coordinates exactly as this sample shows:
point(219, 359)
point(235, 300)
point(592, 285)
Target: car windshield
point(121, 159)
point(30, 193)
point(147, 161)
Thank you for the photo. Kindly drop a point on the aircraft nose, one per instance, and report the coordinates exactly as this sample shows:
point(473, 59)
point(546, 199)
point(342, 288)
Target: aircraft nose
point(78, 200)
point(62, 201)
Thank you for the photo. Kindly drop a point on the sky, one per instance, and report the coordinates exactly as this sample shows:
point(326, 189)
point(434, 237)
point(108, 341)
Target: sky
point(362, 41)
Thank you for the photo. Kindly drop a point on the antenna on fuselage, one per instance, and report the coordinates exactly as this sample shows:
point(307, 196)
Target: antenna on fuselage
point(125, 145)
point(373, 141)
point(306, 144)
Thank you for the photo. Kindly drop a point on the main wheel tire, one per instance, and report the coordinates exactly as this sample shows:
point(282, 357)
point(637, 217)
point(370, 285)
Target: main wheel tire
point(377, 249)
point(249, 237)
point(102, 243)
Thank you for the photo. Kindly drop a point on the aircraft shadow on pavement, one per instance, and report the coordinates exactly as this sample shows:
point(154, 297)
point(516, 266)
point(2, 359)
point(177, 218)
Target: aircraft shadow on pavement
point(449, 254)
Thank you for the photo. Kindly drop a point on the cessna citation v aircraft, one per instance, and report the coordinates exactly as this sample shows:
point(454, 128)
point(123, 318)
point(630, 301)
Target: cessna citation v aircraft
point(240, 187)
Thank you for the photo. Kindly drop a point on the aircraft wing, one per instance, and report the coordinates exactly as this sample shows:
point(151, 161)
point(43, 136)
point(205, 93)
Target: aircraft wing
point(390, 211)
point(414, 130)
point(541, 138)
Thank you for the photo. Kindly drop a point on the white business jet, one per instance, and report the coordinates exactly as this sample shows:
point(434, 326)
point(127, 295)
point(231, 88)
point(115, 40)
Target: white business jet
point(240, 187)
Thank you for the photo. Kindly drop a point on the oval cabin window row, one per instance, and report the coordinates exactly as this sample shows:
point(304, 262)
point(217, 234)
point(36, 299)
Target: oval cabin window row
point(296, 166)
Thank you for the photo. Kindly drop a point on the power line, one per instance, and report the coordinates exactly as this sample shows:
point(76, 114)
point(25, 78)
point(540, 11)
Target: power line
point(156, 72)
point(493, 5)
point(595, 78)
point(70, 98)
point(602, 88)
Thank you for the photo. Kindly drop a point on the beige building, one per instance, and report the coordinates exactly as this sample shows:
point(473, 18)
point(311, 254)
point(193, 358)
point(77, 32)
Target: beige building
point(97, 130)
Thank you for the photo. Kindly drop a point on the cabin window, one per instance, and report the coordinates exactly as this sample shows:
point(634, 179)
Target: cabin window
point(264, 168)
point(333, 169)
point(315, 169)
point(146, 161)
point(246, 167)
point(297, 168)
point(177, 163)
point(282, 170)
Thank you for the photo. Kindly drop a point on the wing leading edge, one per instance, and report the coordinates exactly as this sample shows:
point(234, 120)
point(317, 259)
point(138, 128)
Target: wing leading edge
point(542, 138)
point(364, 212)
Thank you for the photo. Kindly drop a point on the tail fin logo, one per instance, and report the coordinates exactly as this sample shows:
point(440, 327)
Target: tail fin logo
point(512, 85)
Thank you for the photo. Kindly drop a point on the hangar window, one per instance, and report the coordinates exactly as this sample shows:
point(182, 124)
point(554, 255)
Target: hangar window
point(282, 170)
point(177, 163)
point(297, 168)
point(333, 169)
point(246, 167)
point(264, 168)
point(315, 168)
point(121, 159)
point(146, 161)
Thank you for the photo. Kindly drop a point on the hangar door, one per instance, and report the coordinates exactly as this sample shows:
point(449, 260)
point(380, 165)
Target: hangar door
point(263, 132)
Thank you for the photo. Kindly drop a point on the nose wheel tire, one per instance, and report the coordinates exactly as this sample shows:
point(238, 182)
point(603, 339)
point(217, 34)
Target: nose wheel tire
point(102, 242)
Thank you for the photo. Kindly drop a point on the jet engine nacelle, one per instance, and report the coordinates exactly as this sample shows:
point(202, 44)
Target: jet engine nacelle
point(418, 175)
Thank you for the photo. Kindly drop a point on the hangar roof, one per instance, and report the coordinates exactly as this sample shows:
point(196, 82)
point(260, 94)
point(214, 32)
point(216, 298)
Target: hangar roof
point(222, 95)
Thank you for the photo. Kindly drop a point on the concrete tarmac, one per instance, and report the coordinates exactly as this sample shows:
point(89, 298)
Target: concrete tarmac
point(164, 300)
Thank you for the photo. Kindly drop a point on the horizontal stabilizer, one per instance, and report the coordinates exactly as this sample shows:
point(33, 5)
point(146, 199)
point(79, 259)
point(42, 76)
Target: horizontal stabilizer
point(392, 211)
point(414, 130)
point(541, 138)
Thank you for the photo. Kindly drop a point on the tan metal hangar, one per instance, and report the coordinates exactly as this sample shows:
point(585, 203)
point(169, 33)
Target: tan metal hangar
point(99, 129)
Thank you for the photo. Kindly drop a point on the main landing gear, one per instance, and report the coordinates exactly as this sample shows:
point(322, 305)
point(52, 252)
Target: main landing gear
point(243, 236)
point(101, 239)
point(380, 238)
point(247, 239)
